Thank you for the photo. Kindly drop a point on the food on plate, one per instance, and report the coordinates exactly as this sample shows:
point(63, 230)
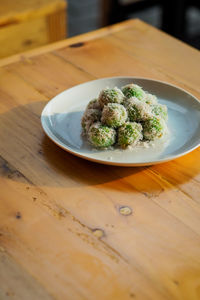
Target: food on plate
point(137, 110)
point(114, 115)
point(94, 103)
point(160, 110)
point(129, 133)
point(101, 136)
point(133, 90)
point(90, 116)
point(150, 99)
point(154, 128)
point(113, 95)
point(124, 117)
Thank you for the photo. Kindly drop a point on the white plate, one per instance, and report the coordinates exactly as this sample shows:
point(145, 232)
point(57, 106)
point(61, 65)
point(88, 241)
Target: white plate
point(61, 119)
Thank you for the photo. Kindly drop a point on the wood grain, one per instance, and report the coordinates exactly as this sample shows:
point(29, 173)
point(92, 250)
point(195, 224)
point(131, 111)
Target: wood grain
point(23, 10)
point(25, 25)
point(23, 36)
point(74, 40)
point(62, 233)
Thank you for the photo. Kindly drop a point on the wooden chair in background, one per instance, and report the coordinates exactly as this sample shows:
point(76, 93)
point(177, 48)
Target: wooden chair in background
point(27, 24)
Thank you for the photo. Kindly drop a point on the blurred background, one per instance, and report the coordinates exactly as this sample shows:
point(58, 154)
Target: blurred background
point(27, 24)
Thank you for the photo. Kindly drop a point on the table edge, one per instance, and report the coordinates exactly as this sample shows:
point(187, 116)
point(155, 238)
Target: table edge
point(69, 41)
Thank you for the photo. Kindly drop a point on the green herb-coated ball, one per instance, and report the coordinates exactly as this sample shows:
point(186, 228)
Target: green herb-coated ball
point(114, 115)
point(150, 99)
point(107, 95)
point(154, 128)
point(129, 133)
point(137, 110)
point(93, 104)
point(133, 90)
point(160, 110)
point(101, 136)
point(89, 117)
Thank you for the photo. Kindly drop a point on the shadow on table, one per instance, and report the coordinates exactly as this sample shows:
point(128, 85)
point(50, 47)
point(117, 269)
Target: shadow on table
point(27, 155)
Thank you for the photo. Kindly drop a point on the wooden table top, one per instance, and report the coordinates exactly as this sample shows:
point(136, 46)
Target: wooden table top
point(63, 234)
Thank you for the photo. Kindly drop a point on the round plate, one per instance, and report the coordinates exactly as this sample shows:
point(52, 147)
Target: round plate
point(61, 120)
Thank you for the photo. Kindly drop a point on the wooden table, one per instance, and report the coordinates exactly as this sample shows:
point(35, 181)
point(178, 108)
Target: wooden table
point(63, 232)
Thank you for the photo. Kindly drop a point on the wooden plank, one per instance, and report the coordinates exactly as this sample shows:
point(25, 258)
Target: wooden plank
point(16, 283)
point(132, 44)
point(74, 40)
point(81, 273)
point(174, 52)
point(54, 75)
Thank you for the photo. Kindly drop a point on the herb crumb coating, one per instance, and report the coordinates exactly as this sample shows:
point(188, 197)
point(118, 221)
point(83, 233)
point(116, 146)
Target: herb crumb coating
point(108, 95)
point(114, 115)
point(124, 117)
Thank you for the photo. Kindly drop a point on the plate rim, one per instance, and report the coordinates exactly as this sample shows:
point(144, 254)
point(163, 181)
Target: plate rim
point(54, 139)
